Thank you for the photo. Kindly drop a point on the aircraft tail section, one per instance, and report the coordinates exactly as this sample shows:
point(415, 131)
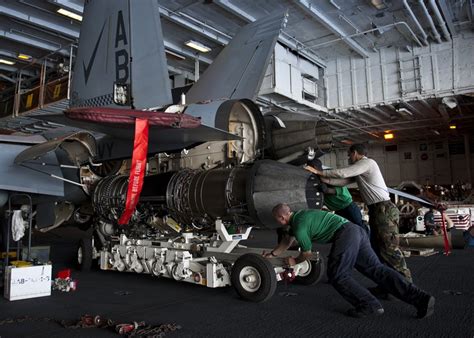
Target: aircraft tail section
point(239, 69)
point(121, 58)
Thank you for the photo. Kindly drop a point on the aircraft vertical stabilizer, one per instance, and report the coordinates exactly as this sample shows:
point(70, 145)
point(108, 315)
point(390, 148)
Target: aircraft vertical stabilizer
point(238, 71)
point(121, 43)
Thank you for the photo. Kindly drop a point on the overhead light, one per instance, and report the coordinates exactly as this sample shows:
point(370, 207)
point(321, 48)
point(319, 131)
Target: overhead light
point(175, 55)
point(198, 46)
point(404, 111)
point(452, 126)
point(450, 102)
point(25, 57)
point(379, 4)
point(436, 132)
point(7, 62)
point(69, 14)
point(388, 136)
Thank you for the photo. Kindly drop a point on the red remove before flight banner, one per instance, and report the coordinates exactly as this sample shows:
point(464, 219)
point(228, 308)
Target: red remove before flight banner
point(445, 235)
point(137, 171)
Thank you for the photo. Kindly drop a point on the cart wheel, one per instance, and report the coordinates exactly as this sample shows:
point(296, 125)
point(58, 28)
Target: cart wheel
point(312, 272)
point(84, 254)
point(253, 277)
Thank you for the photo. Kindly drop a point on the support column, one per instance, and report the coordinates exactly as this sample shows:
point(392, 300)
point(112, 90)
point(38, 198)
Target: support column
point(196, 68)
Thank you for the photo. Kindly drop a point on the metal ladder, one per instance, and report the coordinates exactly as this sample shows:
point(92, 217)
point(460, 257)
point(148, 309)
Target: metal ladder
point(410, 85)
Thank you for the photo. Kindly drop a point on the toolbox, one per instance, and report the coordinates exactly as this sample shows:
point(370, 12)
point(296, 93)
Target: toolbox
point(27, 282)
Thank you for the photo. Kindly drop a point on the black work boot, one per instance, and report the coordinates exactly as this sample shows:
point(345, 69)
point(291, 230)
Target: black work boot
point(425, 307)
point(381, 293)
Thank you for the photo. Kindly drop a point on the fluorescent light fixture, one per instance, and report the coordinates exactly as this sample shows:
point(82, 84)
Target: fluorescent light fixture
point(436, 132)
point(388, 136)
point(7, 62)
point(70, 14)
point(450, 102)
point(404, 111)
point(452, 126)
point(25, 57)
point(175, 55)
point(198, 46)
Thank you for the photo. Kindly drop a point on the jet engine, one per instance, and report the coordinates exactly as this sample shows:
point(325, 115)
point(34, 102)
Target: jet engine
point(280, 136)
point(241, 196)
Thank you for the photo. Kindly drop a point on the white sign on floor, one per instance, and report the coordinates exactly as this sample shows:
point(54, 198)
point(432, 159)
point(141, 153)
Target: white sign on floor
point(27, 282)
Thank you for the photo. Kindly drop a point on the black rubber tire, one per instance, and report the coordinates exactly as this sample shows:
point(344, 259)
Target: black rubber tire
point(318, 268)
point(85, 247)
point(267, 277)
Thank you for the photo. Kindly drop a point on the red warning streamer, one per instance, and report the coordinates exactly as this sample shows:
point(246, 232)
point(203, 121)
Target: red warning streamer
point(445, 235)
point(137, 171)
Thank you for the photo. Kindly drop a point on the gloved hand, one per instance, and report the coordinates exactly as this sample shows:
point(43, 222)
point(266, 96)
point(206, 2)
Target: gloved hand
point(322, 187)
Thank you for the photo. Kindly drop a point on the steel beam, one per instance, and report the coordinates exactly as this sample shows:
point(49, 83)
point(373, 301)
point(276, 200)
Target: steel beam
point(181, 50)
point(34, 42)
point(444, 114)
point(381, 112)
point(16, 70)
point(414, 109)
point(68, 5)
point(200, 28)
point(7, 78)
point(39, 19)
point(369, 115)
point(333, 27)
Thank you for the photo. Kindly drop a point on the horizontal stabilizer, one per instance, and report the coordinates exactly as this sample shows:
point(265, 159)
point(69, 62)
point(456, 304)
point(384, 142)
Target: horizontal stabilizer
point(127, 117)
point(82, 137)
point(22, 139)
point(34, 178)
point(118, 140)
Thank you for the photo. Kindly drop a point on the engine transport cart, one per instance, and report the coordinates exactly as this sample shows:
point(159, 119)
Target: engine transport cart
point(215, 260)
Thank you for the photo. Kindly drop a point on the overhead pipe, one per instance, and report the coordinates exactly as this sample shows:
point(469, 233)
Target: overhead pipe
point(368, 31)
point(380, 111)
point(430, 21)
point(369, 115)
point(417, 23)
point(332, 26)
point(352, 126)
point(390, 124)
point(439, 19)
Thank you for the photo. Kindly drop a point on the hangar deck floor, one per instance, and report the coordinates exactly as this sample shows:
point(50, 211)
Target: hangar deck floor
point(316, 311)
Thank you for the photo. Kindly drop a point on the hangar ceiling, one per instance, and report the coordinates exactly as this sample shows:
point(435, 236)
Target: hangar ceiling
point(318, 31)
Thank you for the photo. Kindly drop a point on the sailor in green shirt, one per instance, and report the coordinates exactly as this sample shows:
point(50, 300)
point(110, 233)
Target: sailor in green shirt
point(339, 199)
point(350, 249)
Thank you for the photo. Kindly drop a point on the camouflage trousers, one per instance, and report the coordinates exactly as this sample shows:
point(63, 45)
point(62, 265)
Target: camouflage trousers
point(383, 221)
